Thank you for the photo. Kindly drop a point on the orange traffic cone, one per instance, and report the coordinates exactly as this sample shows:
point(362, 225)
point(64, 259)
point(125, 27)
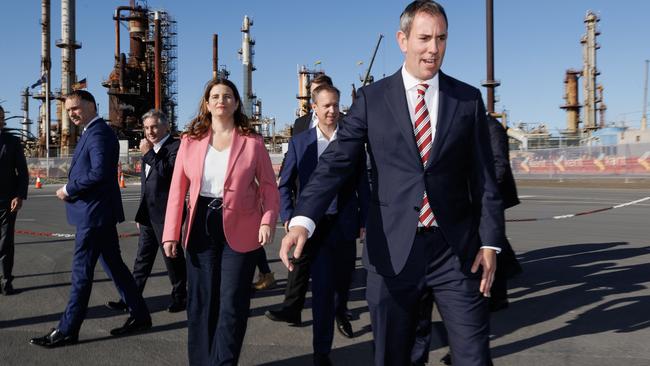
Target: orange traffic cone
point(122, 183)
point(38, 185)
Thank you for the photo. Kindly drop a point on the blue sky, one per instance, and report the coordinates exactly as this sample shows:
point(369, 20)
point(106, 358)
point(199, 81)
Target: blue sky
point(536, 41)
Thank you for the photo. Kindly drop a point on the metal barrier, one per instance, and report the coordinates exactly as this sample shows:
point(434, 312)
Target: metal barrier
point(630, 160)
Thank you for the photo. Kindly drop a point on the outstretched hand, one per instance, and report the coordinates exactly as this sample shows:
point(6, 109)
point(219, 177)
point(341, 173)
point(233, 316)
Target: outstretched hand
point(297, 236)
point(486, 258)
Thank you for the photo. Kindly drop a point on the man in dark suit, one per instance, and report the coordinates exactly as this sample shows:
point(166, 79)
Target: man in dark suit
point(13, 190)
point(298, 279)
point(309, 120)
point(94, 206)
point(507, 263)
point(158, 150)
point(332, 248)
point(435, 219)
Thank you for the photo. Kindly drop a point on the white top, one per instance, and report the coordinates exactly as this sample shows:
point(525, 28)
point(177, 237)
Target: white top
point(156, 148)
point(214, 172)
point(322, 140)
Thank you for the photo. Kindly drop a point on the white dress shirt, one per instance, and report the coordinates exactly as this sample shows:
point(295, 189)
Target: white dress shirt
point(214, 172)
point(156, 148)
point(314, 121)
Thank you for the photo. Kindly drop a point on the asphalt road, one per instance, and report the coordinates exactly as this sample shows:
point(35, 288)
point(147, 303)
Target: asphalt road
point(583, 298)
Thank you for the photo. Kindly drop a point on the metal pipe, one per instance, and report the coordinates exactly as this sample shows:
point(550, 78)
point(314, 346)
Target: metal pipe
point(489, 23)
point(215, 56)
point(122, 77)
point(644, 118)
point(25, 108)
point(46, 66)
point(157, 60)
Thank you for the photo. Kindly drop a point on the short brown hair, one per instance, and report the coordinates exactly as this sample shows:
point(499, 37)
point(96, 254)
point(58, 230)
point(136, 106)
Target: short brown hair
point(324, 88)
point(82, 95)
point(425, 6)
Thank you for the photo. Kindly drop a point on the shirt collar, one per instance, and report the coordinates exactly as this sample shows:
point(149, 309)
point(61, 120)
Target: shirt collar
point(320, 135)
point(91, 122)
point(160, 143)
point(411, 81)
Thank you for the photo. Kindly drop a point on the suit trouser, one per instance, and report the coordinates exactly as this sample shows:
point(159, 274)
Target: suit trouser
point(219, 289)
point(263, 262)
point(91, 244)
point(7, 226)
point(148, 247)
point(298, 279)
point(394, 304)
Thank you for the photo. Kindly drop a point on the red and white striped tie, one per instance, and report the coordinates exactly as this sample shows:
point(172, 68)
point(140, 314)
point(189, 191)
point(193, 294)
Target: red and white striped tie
point(422, 130)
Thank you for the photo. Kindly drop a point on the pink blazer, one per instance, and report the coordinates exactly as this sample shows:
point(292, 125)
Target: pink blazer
point(250, 194)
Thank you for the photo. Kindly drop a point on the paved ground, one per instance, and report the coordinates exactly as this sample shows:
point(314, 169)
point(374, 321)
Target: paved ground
point(582, 300)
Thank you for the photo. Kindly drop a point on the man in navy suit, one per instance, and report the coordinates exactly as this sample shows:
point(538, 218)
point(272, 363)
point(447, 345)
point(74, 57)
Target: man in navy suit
point(332, 247)
point(13, 190)
point(94, 206)
point(435, 218)
point(158, 150)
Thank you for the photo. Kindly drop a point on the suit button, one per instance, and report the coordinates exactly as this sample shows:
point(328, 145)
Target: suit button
point(416, 208)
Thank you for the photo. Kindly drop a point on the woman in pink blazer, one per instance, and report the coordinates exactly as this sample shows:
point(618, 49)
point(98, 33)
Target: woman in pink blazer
point(233, 208)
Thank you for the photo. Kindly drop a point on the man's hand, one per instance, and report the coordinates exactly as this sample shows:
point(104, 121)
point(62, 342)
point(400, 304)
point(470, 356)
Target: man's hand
point(286, 226)
point(60, 193)
point(265, 235)
point(486, 258)
point(171, 248)
point(16, 204)
point(297, 236)
point(145, 146)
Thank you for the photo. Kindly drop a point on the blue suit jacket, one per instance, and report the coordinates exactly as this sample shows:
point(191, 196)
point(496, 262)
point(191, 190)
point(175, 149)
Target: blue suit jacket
point(95, 198)
point(299, 164)
point(154, 189)
point(459, 176)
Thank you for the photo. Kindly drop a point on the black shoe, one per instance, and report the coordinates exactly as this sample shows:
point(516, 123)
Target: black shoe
point(283, 315)
point(446, 359)
point(177, 306)
point(132, 326)
point(8, 289)
point(497, 304)
point(343, 326)
point(54, 339)
point(117, 306)
point(322, 360)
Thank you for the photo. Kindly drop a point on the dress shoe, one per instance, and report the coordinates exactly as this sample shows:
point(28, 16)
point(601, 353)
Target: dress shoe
point(343, 326)
point(283, 315)
point(177, 306)
point(117, 306)
point(265, 281)
point(55, 338)
point(132, 326)
point(446, 359)
point(321, 359)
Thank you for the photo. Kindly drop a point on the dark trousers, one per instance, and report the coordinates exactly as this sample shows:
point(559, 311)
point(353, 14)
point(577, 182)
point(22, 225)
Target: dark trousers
point(262, 261)
point(7, 226)
point(91, 244)
point(148, 247)
point(298, 279)
point(395, 303)
point(218, 280)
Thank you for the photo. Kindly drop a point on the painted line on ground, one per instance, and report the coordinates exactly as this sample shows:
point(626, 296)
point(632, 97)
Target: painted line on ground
point(559, 217)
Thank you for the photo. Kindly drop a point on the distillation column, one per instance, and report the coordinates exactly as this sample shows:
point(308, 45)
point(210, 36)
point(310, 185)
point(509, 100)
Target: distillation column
point(68, 45)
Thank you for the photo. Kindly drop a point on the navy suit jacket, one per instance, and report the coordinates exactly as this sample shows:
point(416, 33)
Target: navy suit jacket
point(299, 164)
point(95, 198)
point(302, 123)
point(503, 171)
point(154, 189)
point(459, 176)
point(13, 168)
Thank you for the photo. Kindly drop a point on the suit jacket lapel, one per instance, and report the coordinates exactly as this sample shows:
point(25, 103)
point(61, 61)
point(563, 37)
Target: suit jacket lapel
point(311, 151)
point(396, 100)
point(446, 110)
point(236, 148)
point(81, 143)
